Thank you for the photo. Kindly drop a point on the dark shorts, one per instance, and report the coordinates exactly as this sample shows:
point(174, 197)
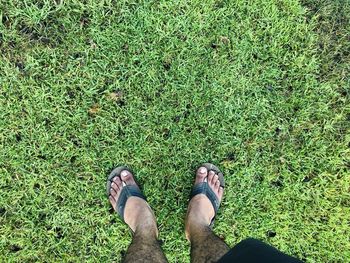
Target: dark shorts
point(254, 251)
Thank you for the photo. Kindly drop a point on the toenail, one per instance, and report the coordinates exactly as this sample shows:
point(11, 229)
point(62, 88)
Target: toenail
point(202, 170)
point(124, 173)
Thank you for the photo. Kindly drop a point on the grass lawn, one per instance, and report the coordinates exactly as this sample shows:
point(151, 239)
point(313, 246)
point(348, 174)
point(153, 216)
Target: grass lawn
point(260, 88)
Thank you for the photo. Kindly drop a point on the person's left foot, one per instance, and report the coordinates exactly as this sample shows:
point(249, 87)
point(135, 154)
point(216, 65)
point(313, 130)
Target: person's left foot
point(137, 213)
point(200, 210)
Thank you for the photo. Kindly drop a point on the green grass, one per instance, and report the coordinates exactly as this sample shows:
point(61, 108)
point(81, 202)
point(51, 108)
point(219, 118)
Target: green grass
point(260, 88)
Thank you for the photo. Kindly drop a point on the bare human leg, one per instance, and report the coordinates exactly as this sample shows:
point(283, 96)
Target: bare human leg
point(205, 245)
point(140, 218)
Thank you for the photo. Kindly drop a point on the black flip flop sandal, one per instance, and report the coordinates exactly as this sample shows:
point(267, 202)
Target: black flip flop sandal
point(203, 188)
point(126, 192)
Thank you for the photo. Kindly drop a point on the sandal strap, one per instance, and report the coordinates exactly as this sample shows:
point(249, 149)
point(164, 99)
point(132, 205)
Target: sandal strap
point(203, 188)
point(127, 191)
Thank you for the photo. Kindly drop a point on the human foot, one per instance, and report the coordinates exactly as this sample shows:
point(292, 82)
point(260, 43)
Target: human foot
point(201, 210)
point(136, 213)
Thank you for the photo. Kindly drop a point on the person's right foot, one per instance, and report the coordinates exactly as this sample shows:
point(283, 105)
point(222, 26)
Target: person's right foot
point(200, 210)
point(137, 213)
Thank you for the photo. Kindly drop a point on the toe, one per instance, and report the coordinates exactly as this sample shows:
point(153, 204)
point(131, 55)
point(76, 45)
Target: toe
point(217, 186)
point(118, 182)
point(113, 202)
point(220, 193)
point(201, 173)
point(114, 193)
point(127, 177)
point(115, 187)
point(113, 197)
point(215, 179)
point(210, 177)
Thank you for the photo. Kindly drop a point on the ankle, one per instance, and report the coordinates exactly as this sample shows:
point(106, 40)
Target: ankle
point(197, 221)
point(197, 218)
point(147, 230)
point(197, 232)
point(139, 216)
